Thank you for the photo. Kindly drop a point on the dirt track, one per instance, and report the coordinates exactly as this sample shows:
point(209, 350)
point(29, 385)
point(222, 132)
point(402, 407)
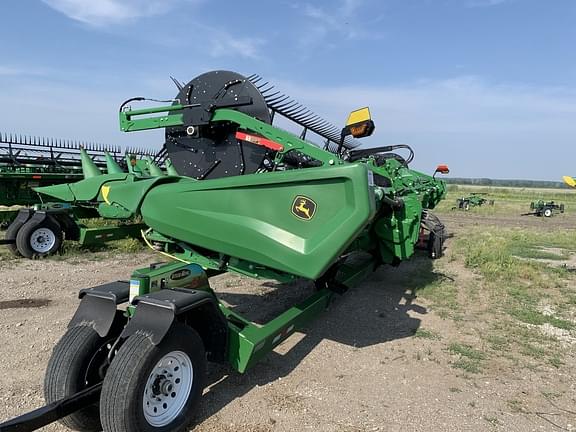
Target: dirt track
point(357, 368)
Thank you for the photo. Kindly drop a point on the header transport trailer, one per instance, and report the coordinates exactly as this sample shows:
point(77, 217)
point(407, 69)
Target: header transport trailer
point(37, 229)
point(250, 198)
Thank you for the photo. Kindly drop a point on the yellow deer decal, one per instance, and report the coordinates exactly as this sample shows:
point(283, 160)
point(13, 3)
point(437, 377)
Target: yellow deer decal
point(301, 207)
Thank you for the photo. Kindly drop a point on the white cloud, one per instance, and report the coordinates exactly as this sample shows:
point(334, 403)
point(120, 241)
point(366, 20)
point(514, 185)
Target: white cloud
point(19, 71)
point(100, 13)
point(103, 13)
point(342, 20)
point(9, 71)
point(226, 45)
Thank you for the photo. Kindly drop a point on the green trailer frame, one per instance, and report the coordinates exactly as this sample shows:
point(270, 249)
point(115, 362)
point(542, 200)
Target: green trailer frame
point(64, 223)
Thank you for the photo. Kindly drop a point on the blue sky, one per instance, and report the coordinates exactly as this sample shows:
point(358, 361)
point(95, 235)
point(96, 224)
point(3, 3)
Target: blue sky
point(487, 86)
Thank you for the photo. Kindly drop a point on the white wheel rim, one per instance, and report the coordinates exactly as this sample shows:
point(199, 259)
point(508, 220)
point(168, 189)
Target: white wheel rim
point(42, 240)
point(168, 388)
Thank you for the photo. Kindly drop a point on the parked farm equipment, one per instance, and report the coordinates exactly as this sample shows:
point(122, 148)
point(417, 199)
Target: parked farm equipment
point(27, 162)
point(544, 208)
point(570, 181)
point(252, 199)
point(475, 199)
point(39, 229)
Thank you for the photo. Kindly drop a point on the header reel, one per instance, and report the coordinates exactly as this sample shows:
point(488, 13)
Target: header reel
point(203, 149)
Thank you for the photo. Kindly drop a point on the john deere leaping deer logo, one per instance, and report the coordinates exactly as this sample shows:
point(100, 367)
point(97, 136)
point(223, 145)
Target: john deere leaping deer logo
point(303, 207)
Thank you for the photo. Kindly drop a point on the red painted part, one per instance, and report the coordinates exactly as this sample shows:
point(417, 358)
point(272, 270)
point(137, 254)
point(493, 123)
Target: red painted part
point(443, 169)
point(422, 237)
point(258, 140)
point(36, 177)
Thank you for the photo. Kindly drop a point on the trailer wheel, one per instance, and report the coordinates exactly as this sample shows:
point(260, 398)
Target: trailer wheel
point(547, 212)
point(466, 205)
point(71, 369)
point(38, 239)
point(154, 388)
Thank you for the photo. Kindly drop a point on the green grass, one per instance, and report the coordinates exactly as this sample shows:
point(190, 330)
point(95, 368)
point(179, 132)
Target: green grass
point(470, 359)
point(530, 252)
point(535, 351)
point(556, 361)
point(516, 291)
point(466, 351)
point(427, 334)
point(443, 296)
point(528, 315)
point(467, 365)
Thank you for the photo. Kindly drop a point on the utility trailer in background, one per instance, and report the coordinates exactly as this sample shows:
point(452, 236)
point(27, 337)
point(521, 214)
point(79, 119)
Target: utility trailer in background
point(544, 208)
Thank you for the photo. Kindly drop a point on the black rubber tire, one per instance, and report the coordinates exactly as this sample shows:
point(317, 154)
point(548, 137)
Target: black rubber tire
point(436, 245)
point(123, 390)
point(23, 237)
point(11, 233)
point(547, 212)
point(66, 375)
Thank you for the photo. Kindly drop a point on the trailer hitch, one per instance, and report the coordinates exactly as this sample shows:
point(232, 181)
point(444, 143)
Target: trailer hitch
point(55, 411)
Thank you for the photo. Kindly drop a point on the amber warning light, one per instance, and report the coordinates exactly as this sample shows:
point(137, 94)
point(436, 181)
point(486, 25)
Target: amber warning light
point(359, 123)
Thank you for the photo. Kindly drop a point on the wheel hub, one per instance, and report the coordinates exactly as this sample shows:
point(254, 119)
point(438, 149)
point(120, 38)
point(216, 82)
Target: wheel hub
point(42, 240)
point(168, 388)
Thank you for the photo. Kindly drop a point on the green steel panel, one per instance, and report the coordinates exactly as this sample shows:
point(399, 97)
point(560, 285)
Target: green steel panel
point(250, 217)
point(90, 236)
point(248, 345)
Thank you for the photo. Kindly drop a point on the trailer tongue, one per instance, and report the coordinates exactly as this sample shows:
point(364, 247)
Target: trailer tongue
point(250, 198)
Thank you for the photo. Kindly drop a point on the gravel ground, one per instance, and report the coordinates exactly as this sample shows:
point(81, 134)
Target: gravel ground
point(357, 368)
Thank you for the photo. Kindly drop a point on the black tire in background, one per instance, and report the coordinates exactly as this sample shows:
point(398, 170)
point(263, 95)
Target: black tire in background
point(436, 244)
point(67, 372)
point(26, 243)
point(123, 392)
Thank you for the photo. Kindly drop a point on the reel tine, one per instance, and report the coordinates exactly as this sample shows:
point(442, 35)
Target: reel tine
point(296, 110)
point(272, 102)
point(256, 79)
point(265, 91)
point(177, 83)
point(290, 104)
point(267, 97)
point(253, 77)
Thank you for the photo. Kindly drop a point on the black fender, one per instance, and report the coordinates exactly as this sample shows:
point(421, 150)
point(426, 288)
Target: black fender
point(98, 306)
point(23, 216)
point(156, 312)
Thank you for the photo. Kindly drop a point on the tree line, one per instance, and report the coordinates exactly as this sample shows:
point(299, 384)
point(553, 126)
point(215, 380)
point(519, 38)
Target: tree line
point(507, 183)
